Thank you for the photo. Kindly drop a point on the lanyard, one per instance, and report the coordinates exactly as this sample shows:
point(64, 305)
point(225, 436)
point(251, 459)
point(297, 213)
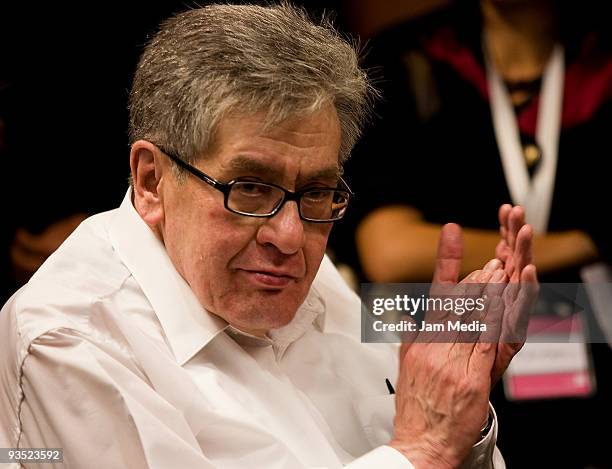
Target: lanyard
point(534, 194)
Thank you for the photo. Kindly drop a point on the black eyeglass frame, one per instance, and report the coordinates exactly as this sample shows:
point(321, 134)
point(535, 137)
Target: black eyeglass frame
point(226, 187)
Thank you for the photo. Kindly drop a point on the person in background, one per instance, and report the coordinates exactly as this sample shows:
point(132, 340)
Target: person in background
point(485, 103)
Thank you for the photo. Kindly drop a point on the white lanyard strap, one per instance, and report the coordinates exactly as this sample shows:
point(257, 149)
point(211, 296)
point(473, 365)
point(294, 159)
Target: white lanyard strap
point(534, 194)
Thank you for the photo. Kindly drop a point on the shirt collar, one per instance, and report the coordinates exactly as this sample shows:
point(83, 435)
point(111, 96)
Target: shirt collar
point(310, 313)
point(187, 325)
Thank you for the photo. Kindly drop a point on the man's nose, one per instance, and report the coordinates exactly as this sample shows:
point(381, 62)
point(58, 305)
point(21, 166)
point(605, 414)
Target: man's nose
point(285, 230)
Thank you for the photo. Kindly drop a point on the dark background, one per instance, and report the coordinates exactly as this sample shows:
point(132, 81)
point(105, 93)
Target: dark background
point(66, 73)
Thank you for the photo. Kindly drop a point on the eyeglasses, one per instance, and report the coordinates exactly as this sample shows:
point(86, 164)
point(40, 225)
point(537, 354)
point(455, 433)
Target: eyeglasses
point(262, 199)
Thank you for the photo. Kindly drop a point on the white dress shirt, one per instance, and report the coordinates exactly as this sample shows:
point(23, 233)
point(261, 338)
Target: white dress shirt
point(108, 354)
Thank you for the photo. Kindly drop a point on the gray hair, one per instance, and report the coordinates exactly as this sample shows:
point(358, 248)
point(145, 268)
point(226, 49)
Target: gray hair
point(208, 62)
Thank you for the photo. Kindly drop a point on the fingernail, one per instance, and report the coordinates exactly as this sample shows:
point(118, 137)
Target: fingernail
point(498, 276)
point(492, 265)
point(474, 275)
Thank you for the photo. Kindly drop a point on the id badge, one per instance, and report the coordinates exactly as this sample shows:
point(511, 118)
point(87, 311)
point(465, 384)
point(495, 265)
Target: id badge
point(554, 363)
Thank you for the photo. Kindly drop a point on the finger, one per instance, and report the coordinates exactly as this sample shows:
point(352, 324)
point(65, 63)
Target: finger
point(529, 275)
point(486, 281)
point(505, 353)
point(471, 277)
point(476, 281)
point(495, 287)
point(502, 251)
point(469, 287)
point(524, 295)
point(492, 265)
point(471, 293)
point(503, 213)
point(523, 252)
point(497, 279)
point(505, 254)
point(482, 358)
point(450, 254)
point(486, 352)
point(516, 220)
point(489, 284)
point(493, 320)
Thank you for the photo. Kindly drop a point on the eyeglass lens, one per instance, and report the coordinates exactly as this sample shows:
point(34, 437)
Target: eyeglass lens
point(262, 199)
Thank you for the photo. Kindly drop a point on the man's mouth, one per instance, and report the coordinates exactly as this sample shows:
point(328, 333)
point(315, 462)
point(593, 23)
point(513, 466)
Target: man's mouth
point(274, 279)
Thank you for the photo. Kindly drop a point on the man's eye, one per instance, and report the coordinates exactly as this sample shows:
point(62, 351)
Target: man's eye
point(252, 189)
point(317, 196)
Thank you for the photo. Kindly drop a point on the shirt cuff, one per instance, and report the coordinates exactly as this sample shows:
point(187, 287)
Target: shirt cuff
point(482, 454)
point(383, 456)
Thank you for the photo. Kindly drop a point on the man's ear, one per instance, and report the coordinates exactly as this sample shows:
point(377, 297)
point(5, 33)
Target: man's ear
point(146, 168)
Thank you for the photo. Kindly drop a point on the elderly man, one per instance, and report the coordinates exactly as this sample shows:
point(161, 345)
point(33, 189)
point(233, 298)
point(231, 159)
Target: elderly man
point(199, 325)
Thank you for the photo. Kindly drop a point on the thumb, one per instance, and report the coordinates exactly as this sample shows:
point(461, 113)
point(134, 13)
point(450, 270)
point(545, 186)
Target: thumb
point(450, 254)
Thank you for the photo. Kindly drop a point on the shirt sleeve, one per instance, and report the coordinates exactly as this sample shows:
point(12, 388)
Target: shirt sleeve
point(383, 456)
point(484, 454)
point(98, 407)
